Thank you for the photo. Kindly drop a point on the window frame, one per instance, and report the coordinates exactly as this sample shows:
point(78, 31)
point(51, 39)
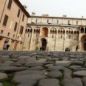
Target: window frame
point(9, 4)
point(5, 20)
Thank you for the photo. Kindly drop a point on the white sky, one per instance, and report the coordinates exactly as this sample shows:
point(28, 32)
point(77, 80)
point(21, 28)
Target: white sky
point(71, 8)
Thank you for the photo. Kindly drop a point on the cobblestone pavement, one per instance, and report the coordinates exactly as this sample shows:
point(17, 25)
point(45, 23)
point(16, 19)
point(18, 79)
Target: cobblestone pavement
point(42, 69)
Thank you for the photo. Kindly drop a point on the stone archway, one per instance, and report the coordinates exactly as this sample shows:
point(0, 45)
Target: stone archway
point(44, 44)
point(67, 49)
point(83, 40)
point(44, 32)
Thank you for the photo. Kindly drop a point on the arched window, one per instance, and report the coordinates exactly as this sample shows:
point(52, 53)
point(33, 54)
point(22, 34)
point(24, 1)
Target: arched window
point(85, 29)
point(67, 32)
point(63, 31)
point(71, 32)
point(55, 31)
point(38, 30)
point(34, 30)
point(82, 30)
point(67, 50)
point(30, 30)
point(59, 31)
point(75, 32)
point(51, 31)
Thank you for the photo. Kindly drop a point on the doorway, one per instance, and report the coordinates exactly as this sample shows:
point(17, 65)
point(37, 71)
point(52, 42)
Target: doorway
point(44, 44)
point(84, 44)
point(83, 40)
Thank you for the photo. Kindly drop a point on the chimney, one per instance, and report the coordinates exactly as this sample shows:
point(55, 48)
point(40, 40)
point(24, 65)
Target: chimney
point(64, 16)
point(33, 13)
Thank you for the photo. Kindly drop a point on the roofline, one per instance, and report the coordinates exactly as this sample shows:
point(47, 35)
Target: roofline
point(58, 17)
point(22, 7)
point(57, 25)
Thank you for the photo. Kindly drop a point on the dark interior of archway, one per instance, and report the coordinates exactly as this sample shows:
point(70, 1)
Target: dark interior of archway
point(84, 44)
point(82, 30)
point(44, 44)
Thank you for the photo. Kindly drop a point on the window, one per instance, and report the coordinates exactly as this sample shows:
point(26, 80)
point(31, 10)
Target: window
point(82, 30)
point(9, 4)
point(26, 30)
point(8, 34)
point(1, 37)
point(69, 22)
point(13, 35)
point(48, 21)
point(21, 29)
point(15, 27)
point(28, 35)
point(36, 21)
point(57, 21)
point(23, 17)
point(76, 22)
point(85, 29)
point(30, 30)
point(1, 31)
point(18, 13)
point(34, 31)
point(5, 20)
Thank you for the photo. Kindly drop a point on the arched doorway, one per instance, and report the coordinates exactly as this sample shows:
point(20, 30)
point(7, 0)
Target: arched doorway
point(44, 32)
point(6, 44)
point(67, 49)
point(44, 44)
point(83, 40)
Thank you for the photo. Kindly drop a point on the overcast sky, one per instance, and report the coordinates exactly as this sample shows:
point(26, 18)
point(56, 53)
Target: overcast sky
point(71, 8)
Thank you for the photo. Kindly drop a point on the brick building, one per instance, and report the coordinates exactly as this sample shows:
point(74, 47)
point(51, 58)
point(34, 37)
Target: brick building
point(13, 24)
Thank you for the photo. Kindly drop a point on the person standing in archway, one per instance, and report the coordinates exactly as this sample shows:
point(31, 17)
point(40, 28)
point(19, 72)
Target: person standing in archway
point(6, 45)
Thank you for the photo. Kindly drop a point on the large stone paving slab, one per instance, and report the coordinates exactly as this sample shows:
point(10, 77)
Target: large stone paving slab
point(49, 82)
point(72, 82)
point(75, 67)
point(54, 74)
point(67, 73)
point(81, 73)
point(11, 68)
point(63, 63)
point(28, 83)
point(25, 76)
point(84, 81)
point(57, 67)
point(30, 72)
point(3, 76)
point(1, 84)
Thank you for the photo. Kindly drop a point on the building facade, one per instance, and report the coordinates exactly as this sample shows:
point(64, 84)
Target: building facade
point(56, 34)
point(13, 24)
